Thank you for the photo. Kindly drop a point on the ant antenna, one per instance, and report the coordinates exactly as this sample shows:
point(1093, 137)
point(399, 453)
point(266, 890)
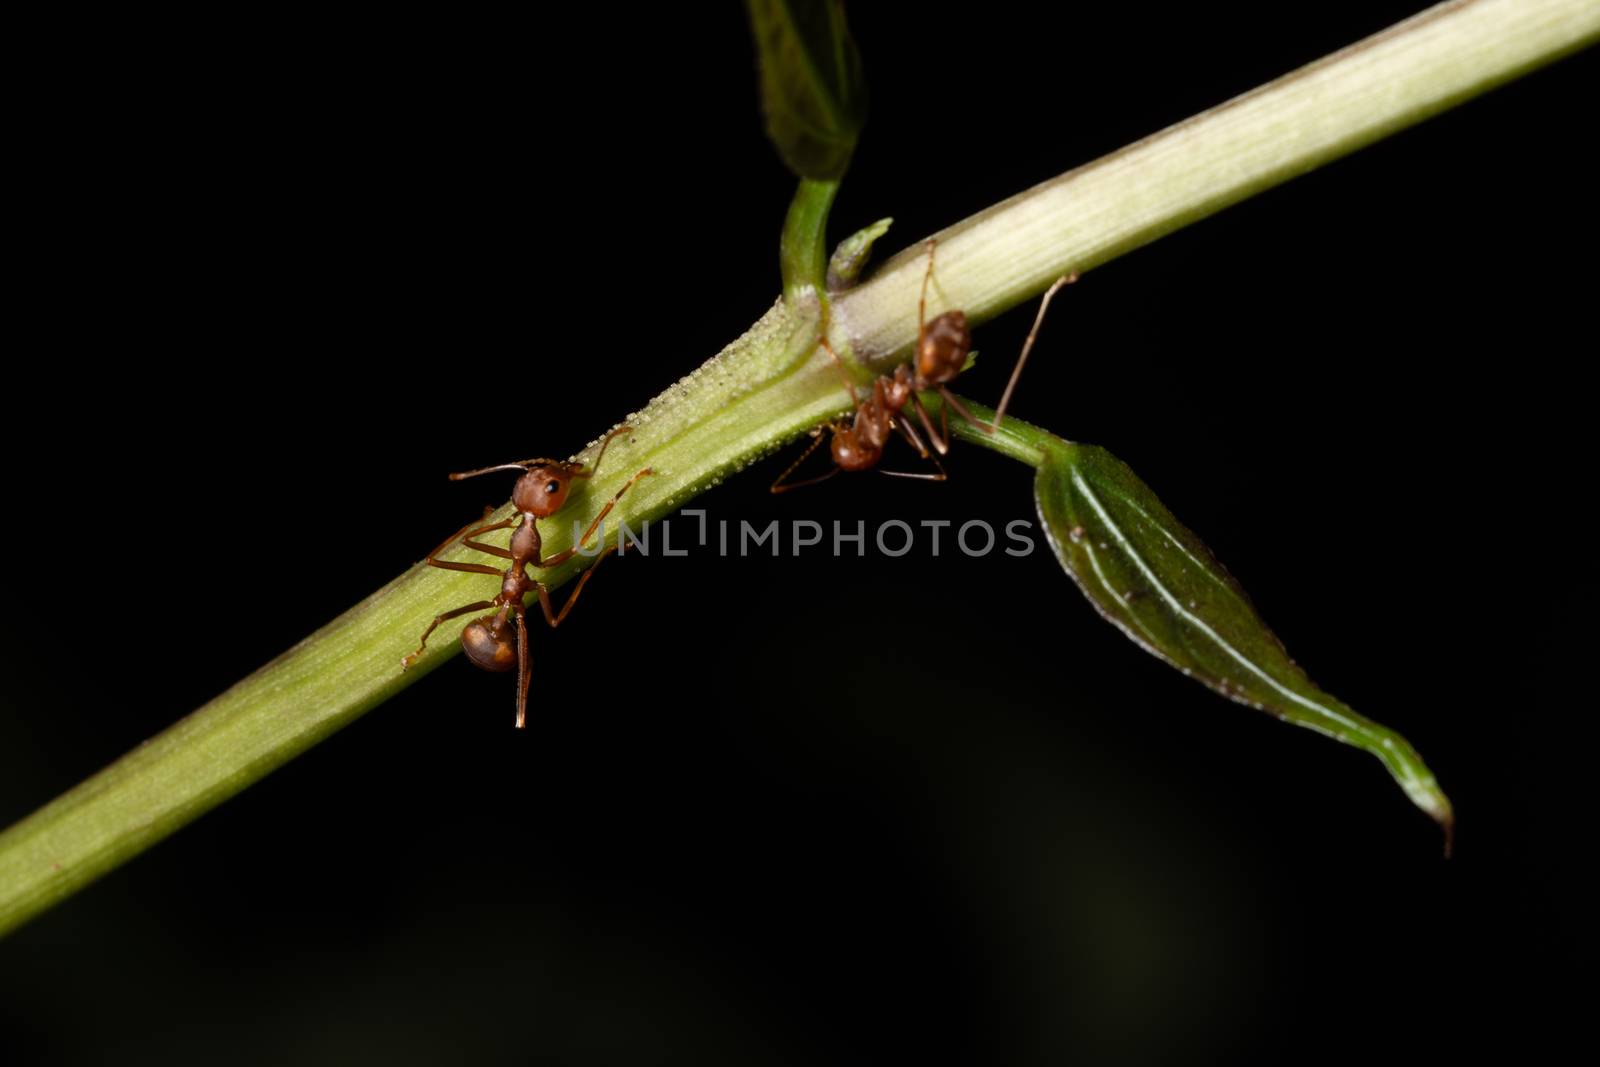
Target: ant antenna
point(1027, 346)
point(524, 464)
point(781, 486)
point(922, 299)
point(613, 435)
point(520, 465)
point(844, 375)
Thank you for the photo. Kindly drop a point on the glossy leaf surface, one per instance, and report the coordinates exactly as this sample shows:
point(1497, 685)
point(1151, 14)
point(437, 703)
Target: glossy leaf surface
point(1153, 578)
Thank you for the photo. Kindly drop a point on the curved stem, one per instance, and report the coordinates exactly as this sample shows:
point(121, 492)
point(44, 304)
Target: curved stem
point(803, 249)
point(774, 383)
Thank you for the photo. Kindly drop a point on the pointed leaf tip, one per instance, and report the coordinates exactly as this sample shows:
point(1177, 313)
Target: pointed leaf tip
point(850, 258)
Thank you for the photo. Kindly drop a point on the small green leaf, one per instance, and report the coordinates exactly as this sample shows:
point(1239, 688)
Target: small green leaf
point(850, 258)
point(812, 90)
point(1155, 580)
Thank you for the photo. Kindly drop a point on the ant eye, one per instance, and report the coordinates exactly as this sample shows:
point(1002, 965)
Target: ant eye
point(553, 488)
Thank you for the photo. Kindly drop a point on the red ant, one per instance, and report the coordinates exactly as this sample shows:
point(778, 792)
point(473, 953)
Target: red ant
point(542, 490)
point(943, 346)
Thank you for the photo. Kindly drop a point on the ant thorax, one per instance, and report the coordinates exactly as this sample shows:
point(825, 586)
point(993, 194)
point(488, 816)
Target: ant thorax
point(526, 544)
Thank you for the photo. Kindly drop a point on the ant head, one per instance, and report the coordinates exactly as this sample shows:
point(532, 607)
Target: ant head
point(851, 453)
point(542, 489)
point(490, 643)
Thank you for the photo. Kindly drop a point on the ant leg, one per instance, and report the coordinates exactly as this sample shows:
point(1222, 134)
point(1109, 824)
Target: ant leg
point(562, 557)
point(618, 432)
point(849, 383)
point(550, 614)
point(953, 402)
point(466, 530)
point(1027, 346)
point(818, 480)
point(922, 301)
point(938, 477)
point(407, 661)
point(493, 550)
point(524, 666)
point(816, 439)
point(470, 568)
point(911, 435)
point(941, 445)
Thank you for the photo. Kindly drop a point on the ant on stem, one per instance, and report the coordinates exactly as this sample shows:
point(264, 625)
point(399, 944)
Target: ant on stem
point(943, 346)
point(541, 491)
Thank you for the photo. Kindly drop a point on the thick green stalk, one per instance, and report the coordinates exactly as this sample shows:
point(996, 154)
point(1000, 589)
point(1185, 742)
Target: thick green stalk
point(770, 385)
point(1086, 217)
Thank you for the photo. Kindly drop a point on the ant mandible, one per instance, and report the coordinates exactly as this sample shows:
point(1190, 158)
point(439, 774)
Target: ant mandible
point(541, 491)
point(943, 346)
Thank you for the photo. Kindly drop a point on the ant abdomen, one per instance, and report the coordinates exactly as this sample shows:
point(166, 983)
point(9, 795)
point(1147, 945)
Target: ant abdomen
point(946, 343)
point(490, 643)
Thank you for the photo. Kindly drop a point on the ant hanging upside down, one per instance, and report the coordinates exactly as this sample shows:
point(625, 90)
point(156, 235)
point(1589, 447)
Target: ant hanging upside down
point(943, 346)
point(491, 642)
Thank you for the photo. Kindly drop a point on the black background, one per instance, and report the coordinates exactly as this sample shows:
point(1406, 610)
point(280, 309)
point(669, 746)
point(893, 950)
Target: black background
point(289, 271)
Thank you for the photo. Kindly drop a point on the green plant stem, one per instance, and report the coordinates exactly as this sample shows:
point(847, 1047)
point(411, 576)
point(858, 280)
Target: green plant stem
point(803, 249)
point(773, 383)
point(1086, 217)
